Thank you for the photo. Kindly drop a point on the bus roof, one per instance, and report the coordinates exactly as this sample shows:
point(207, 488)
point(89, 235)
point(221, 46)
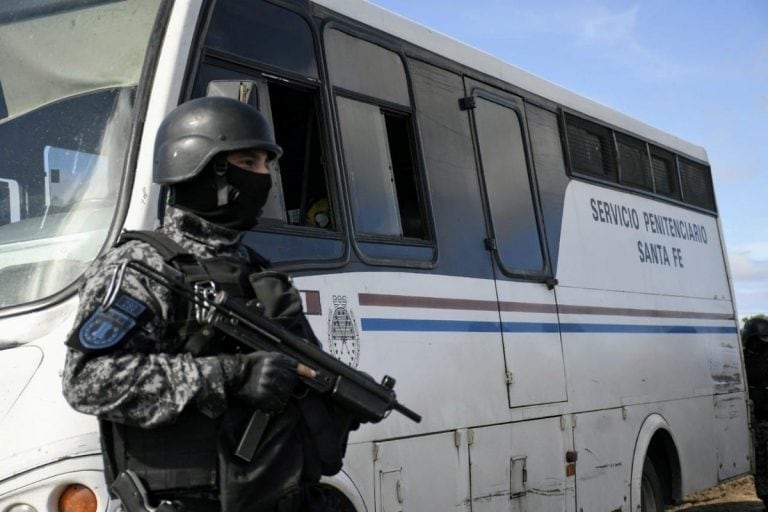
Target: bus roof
point(449, 47)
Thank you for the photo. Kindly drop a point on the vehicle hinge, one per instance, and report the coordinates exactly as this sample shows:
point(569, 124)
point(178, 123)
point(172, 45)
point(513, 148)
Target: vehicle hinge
point(551, 282)
point(457, 438)
point(376, 451)
point(509, 378)
point(490, 244)
point(470, 437)
point(467, 103)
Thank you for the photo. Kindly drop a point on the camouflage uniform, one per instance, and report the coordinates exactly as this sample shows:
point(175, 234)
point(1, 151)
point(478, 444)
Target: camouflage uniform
point(138, 366)
point(756, 366)
point(142, 382)
point(761, 459)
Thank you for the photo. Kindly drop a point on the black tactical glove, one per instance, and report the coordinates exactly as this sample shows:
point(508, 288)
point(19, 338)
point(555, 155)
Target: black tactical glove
point(268, 380)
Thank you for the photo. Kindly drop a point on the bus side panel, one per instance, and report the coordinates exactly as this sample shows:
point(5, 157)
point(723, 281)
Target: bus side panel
point(733, 449)
point(422, 473)
point(658, 300)
point(613, 240)
point(605, 442)
point(615, 357)
point(521, 467)
point(648, 325)
point(438, 336)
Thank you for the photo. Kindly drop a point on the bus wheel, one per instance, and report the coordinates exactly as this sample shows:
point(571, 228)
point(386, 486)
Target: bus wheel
point(651, 489)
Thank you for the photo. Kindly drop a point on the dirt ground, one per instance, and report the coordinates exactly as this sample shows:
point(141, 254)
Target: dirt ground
point(736, 496)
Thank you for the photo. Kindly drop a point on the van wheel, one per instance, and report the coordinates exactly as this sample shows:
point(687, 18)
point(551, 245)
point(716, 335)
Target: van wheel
point(651, 489)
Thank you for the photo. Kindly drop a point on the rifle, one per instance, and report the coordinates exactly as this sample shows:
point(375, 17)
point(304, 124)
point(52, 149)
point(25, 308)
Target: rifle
point(356, 391)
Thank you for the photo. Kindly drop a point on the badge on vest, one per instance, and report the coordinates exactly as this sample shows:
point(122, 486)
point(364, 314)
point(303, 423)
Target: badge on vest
point(106, 328)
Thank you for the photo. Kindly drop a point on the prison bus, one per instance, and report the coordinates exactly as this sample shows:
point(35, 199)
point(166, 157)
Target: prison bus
point(545, 277)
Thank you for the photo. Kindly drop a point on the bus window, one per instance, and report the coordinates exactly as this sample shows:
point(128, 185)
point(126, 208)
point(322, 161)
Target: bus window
point(633, 162)
point(642, 166)
point(664, 173)
point(272, 48)
point(590, 147)
point(697, 184)
point(508, 187)
point(268, 52)
point(263, 33)
point(305, 192)
point(377, 137)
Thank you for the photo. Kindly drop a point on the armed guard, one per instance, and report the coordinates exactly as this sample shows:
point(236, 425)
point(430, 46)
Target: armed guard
point(754, 339)
point(174, 397)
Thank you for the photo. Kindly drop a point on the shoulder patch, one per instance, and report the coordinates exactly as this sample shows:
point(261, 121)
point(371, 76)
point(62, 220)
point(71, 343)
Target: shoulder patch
point(106, 328)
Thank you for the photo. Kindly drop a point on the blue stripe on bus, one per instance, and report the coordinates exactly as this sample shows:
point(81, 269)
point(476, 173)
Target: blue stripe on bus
point(647, 329)
point(418, 325)
point(404, 324)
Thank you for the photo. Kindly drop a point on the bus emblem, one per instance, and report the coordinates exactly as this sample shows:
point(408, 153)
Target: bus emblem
point(343, 337)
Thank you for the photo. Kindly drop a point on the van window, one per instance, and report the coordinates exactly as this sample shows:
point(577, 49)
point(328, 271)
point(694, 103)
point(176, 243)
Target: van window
point(508, 186)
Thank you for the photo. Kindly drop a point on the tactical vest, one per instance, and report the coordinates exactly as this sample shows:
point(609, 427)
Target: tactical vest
point(193, 458)
point(180, 458)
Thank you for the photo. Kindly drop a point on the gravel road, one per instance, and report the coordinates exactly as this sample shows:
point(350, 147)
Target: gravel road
point(736, 496)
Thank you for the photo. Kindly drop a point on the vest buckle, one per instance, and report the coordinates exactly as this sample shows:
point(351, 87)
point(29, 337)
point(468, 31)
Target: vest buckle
point(206, 293)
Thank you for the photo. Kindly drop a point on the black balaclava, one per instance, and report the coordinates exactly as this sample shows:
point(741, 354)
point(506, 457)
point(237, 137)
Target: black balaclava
point(224, 194)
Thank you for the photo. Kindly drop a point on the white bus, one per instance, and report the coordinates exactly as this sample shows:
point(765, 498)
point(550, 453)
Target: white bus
point(545, 277)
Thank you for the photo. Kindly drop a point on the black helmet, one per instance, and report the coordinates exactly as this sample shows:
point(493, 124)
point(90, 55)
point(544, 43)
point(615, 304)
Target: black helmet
point(193, 133)
point(755, 327)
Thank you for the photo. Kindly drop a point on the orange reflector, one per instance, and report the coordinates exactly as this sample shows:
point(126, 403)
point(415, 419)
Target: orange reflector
point(77, 498)
point(570, 469)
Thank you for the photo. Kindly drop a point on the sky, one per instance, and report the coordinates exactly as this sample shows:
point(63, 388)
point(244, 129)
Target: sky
point(697, 69)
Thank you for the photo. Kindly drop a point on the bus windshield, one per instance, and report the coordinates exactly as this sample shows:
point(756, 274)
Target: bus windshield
point(68, 76)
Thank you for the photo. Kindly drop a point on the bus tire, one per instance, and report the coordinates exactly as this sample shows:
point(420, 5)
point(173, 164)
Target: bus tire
point(651, 489)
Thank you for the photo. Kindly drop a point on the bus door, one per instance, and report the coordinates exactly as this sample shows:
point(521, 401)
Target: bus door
point(527, 307)
point(531, 344)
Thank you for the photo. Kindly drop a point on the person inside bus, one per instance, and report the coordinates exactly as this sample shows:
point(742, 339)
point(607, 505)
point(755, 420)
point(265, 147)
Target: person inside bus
point(173, 398)
point(754, 338)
